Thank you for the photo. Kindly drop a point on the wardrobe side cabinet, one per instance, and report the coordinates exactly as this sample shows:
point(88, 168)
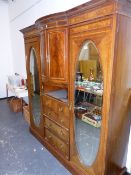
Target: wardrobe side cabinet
point(81, 63)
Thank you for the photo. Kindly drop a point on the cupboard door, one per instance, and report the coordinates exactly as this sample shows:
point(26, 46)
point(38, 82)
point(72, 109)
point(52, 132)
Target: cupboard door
point(57, 54)
point(33, 65)
point(90, 78)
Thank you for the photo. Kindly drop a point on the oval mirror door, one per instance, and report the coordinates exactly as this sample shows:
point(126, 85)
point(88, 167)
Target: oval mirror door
point(88, 103)
point(34, 88)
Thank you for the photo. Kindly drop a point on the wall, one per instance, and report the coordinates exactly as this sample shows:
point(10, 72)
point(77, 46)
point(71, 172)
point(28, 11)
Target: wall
point(6, 66)
point(24, 13)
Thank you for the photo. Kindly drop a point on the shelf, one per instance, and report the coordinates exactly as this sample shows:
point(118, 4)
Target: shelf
point(59, 95)
point(89, 104)
point(95, 92)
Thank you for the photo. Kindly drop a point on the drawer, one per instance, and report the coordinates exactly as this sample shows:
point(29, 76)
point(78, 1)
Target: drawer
point(58, 117)
point(51, 114)
point(47, 102)
point(57, 106)
point(59, 145)
point(56, 110)
point(57, 130)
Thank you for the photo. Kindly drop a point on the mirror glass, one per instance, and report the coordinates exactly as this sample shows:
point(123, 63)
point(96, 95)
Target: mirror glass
point(34, 88)
point(88, 103)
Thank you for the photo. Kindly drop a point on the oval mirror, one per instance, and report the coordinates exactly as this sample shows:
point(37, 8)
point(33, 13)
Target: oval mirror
point(88, 103)
point(34, 88)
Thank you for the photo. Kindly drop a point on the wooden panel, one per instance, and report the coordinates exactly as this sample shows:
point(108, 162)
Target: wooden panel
point(44, 63)
point(98, 25)
point(57, 143)
point(120, 99)
point(57, 130)
point(57, 54)
point(99, 12)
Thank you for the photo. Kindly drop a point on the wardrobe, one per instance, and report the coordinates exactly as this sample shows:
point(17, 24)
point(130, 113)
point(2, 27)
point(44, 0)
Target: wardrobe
point(79, 81)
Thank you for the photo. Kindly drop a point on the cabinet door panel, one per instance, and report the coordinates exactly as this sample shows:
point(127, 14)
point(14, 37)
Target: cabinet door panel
point(57, 54)
point(102, 51)
point(33, 65)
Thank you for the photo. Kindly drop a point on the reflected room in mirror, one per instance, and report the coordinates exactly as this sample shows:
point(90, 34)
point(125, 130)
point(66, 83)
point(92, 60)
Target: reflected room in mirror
point(88, 103)
point(34, 88)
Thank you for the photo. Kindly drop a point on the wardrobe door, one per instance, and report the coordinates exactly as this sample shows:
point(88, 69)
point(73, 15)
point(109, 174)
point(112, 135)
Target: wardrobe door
point(34, 83)
point(56, 47)
point(90, 78)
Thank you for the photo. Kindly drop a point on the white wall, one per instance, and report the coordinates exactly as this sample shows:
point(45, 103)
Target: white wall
point(24, 13)
point(6, 66)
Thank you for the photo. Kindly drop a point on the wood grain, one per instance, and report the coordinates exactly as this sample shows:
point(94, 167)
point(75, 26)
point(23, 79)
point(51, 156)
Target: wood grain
point(57, 39)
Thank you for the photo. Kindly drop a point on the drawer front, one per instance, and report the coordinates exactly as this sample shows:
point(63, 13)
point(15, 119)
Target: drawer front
point(57, 130)
point(50, 113)
point(56, 111)
point(59, 118)
point(56, 105)
point(59, 145)
point(47, 102)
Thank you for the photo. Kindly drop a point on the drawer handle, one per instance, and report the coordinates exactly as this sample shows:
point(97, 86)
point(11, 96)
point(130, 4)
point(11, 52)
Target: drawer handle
point(61, 132)
point(60, 109)
point(66, 157)
point(61, 121)
point(50, 137)
point(61, 146)
point(50, 125)
point(49, 113)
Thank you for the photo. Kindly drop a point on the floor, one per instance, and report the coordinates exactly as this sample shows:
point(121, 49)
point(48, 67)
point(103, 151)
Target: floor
point(20, 152)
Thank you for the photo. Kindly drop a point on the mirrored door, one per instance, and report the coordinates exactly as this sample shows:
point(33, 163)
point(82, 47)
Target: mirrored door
point(88, 103)
point(34, 87)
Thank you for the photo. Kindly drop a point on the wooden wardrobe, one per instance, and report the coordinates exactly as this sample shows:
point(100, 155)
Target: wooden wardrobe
point(79, 81)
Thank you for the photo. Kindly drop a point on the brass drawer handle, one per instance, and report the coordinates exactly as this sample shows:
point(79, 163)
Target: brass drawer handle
point(49, 113)
point(50, 137)
point(61, 109)
point(50, 125)
point(61, 133)
point(67, 157)
point(62, 121)
point(61, 146)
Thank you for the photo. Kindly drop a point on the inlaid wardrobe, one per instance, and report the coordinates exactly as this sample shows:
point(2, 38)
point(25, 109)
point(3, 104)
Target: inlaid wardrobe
point(79, 81)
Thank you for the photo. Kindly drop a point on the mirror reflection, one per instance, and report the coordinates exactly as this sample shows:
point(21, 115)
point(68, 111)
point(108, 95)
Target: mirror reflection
point(88, 103)
point(34, 88)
